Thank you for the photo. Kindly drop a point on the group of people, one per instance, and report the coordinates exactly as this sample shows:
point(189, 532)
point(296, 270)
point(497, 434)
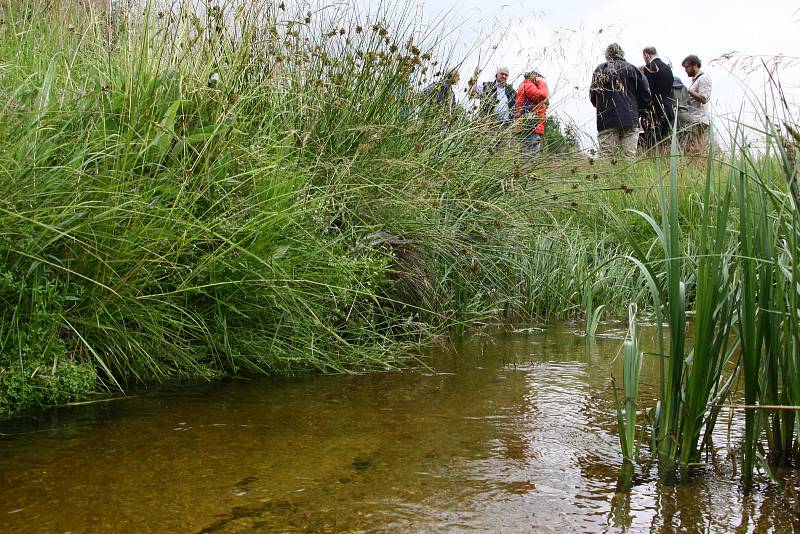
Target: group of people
point(524, 109)
point(636, 107)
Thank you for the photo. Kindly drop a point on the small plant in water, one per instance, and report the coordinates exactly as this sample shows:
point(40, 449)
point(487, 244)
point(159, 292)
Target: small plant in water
point(627, 406)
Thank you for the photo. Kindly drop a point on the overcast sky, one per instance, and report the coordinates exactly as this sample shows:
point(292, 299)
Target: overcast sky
point(565, 40)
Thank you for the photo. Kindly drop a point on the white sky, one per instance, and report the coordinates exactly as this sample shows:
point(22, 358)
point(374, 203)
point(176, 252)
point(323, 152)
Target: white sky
point(565, 40)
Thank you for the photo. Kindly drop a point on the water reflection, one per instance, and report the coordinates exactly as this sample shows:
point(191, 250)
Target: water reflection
point(514, 432)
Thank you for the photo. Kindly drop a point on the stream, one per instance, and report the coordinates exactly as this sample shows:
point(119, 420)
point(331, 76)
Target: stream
point(511, 431)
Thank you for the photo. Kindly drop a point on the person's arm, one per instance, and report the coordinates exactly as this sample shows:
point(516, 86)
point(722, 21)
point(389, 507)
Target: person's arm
point(537, 91)
point(643, 94)
point(520, 100)
point(703, 92)
point(593, 89)
point(700, 97)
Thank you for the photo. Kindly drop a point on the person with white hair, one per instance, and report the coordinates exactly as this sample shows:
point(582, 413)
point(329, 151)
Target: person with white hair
point(497, 97)
point(618, 92)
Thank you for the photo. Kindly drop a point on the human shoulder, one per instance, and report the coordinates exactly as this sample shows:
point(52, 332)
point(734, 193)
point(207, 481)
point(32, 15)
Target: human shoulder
point(663, 66)
point(702, 84)
point(600, 70)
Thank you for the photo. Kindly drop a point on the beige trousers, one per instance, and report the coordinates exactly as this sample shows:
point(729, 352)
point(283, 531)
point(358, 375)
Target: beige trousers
point(697, 143)
point(622, 141)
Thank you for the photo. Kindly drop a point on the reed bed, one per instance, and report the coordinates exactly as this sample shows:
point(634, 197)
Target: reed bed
point(734, 271)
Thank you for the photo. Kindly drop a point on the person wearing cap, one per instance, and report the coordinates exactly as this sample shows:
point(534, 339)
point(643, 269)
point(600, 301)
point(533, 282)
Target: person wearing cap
point(659, 78)
point(699, 104)
point(619, 91)
point(531, 110)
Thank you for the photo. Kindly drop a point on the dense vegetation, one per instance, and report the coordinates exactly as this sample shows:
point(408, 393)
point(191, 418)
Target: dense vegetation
point(180, 200)
point(262, 191)
point(737, 274)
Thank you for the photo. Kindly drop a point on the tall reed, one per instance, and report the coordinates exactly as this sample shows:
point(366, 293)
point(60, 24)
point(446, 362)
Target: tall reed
point(739, 279)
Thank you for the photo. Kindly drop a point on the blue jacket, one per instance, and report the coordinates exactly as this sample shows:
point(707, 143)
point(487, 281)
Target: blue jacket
point(619, 90)
point(442, 93)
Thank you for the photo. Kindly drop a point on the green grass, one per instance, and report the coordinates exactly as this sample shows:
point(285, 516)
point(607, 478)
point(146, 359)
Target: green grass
point(250, 192)
point(183, 201)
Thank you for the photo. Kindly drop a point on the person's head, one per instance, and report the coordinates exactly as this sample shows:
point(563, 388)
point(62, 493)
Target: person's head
point(532, 75)
point(452, 76)
point(502, 75)
point(691, 64)
point(614, 52)
point(649, 53)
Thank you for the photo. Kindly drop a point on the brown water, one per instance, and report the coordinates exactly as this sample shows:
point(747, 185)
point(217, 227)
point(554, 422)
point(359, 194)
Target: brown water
point(510, 433)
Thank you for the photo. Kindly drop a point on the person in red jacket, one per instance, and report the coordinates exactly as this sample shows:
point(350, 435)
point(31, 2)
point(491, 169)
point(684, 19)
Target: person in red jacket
point(531, 110)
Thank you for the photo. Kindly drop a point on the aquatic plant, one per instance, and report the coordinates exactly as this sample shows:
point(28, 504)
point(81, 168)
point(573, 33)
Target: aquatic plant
point(736, 280)
point(627, 407)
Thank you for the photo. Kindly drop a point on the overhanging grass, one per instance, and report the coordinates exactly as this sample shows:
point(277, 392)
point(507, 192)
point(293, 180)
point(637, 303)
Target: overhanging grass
point(245, 191)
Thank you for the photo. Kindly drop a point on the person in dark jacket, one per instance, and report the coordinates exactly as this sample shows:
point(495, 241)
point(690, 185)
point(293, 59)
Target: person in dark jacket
point(497, 97)
point(618, 92)
point(442, 92)
point(659, 77)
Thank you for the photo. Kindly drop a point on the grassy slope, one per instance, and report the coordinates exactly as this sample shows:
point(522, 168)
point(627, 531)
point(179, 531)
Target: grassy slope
point(176, 205)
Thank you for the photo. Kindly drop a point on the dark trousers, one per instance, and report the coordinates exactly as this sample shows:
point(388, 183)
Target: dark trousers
point(663, 129)
point(663, 117)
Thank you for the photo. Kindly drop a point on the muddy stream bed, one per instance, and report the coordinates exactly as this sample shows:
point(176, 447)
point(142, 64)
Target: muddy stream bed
point(509, 432)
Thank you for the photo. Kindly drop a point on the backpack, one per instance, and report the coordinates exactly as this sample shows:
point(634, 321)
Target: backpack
point(681, 94)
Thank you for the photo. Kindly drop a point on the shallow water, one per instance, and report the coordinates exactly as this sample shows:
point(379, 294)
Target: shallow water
point(512, 432)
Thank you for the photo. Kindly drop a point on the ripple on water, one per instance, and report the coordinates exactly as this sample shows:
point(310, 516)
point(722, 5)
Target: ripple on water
point(514, 435)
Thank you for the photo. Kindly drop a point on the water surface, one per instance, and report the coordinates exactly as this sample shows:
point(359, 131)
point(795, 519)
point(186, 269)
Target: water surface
point(510, 432)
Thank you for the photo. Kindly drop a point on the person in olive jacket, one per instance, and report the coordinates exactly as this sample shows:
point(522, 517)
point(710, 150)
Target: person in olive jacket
point(618, 92)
